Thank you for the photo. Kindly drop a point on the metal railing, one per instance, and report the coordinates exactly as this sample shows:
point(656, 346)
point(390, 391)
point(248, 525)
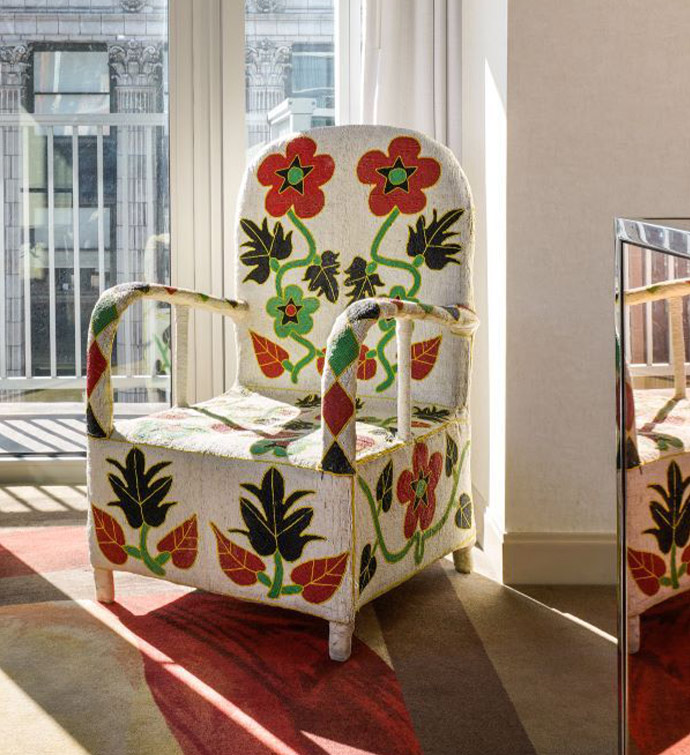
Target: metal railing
point(139, 141)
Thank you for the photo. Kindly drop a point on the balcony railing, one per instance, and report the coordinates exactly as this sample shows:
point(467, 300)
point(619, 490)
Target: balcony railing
point(118, 235)
point(648, 325)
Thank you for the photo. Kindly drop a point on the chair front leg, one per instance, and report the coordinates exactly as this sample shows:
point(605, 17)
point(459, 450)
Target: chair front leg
point(340, 639)
point(105, 585)
point(462, 558)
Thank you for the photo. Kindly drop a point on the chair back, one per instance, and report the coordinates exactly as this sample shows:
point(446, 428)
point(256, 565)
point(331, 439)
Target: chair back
point(338, 214)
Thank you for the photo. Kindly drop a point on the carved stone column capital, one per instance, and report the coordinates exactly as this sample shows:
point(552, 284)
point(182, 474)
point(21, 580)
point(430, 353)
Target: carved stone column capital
point(14, 65)
point(265, 6)
point(136, 64)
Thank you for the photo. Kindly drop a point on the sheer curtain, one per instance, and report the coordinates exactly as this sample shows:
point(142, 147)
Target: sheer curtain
point(411, 68)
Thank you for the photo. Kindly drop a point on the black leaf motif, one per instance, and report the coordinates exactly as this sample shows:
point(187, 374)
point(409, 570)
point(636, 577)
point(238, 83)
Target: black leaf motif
point(431, 241)
point(363, 284)
point(367, 567)
point(322, 277)
point(430, 413)
point(264, 247)
point(672, 517)
point(309, 401)
point(451, 455)
point(463, 516)
point(272, 528)
point(384, 487)
point(138, 495)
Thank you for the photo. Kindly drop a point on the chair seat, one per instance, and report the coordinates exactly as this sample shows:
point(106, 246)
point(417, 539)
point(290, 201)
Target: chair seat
point(245, 424)
point(662, 423)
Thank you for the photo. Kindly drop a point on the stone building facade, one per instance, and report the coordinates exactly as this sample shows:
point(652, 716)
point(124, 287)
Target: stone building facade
point(289, 53)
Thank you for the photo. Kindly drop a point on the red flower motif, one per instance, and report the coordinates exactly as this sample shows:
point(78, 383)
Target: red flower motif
point(417, 489)
point(399, 177)
point(295, 178)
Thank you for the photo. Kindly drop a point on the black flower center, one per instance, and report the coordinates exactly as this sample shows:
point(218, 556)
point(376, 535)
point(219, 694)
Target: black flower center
point(290, 311)
point(397, 176)
point(293, 176)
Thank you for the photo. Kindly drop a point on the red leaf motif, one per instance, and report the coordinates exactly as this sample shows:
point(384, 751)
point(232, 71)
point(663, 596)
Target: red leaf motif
point(240, 565)
point(366, 367)
point(110, 536)
point(269, 355)
point(182, 543)
point(320, 578)
point(646, 569)
point(424, 356)
point(685, 556)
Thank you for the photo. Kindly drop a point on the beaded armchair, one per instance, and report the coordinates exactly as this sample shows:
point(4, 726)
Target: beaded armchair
point(338, 464)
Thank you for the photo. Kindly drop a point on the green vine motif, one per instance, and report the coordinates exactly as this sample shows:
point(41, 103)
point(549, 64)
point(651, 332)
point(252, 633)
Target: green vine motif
point(302, 262)
point(379, 259)
point(280, 271)
point(154, 563)
point(419, 539)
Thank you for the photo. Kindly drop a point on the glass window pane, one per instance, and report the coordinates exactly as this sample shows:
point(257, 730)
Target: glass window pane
point(289, 48)
point(85, 205)
point(68, 71)
point(68, 104)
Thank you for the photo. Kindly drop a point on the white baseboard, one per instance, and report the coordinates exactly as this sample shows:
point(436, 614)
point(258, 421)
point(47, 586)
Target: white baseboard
point(559, 558)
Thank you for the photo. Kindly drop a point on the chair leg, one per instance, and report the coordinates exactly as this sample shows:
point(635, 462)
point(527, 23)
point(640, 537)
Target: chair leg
point(105, 585)
point(463, 560)
point(340, 639)
point(633, 634)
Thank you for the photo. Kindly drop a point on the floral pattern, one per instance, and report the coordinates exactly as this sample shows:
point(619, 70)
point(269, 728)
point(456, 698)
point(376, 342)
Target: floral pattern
point(249, 425)
point(399, 177)
point(416, 489)
point(295, 179)
point(319, 230)
point(277, 529)
point(141, 495)
point(291, 312)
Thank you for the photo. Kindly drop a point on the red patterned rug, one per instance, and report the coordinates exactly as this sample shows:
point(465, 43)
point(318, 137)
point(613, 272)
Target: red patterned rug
point(223, 676)
point(659, 681)
point(445, 664)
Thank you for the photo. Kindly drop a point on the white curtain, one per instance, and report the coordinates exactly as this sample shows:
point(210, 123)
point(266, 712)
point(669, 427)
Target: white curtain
point(411, 68)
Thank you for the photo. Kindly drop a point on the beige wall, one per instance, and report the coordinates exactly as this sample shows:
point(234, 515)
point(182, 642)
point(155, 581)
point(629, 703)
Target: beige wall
point(598, 126)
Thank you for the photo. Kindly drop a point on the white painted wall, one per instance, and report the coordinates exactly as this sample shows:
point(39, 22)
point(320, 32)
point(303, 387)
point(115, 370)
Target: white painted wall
point(598, 126)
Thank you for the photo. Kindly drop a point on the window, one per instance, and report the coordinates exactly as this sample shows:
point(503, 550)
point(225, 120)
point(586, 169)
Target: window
point(84, 205)
point(290, 71)
point(71, 81)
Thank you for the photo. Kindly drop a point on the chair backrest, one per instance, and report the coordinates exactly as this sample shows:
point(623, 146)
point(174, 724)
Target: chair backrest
point(337, 214)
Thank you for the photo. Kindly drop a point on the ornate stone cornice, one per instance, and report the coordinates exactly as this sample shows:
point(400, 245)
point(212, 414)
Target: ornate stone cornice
point(136, 64)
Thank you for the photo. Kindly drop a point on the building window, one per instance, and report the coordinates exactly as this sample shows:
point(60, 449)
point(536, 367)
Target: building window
point(71, 81)
point(313, 73)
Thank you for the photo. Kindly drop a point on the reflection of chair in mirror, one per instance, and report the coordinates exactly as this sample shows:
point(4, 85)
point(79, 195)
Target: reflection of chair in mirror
point(306, 485)
point(658, 471)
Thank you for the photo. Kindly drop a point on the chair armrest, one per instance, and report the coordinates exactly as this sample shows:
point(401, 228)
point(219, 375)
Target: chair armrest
point(658, 291)
point(105, 319)
point(339, 380)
